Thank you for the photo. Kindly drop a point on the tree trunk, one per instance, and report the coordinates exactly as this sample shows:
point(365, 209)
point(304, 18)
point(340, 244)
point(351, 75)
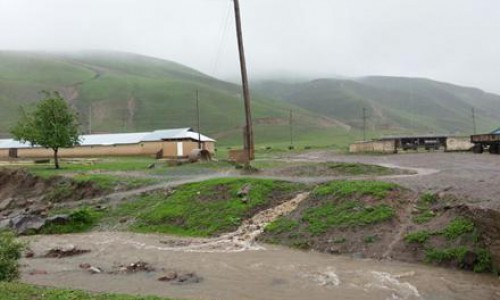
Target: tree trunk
point(56, 159)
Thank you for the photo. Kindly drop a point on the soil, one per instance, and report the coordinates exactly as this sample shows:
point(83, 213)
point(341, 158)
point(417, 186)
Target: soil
point(22, 192)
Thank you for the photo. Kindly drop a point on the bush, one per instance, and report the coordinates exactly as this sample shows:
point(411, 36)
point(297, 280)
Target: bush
point(10, 252)
point(417, 237)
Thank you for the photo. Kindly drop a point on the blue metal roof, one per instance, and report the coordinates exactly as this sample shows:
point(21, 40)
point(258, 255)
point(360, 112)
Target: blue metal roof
point(122, 138)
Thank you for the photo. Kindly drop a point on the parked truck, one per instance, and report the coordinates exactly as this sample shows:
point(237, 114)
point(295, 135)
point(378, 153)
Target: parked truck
point(486, 142)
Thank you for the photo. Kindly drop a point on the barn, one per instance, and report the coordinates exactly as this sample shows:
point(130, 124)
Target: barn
point(167, 143)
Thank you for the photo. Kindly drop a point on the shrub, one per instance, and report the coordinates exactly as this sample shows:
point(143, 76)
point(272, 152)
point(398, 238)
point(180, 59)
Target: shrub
point(457, 227)
point(10, 252)
point(417, 236)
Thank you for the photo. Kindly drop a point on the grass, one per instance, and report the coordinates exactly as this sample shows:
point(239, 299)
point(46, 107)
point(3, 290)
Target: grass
point(109, 164)
point(109, 182)
point(349, 213)
point(424, 205)
point(458, 227)
point(21, 291)
point(281, 225)
point(80, 220)
point(205, 208)
point(418, 236)
point(447, 254)
point(360, 188)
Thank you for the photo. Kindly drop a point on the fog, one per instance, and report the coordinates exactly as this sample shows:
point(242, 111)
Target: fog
point(449, 40)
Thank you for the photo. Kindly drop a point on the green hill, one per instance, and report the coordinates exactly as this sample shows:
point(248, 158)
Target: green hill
point(125, 92)
point(393, 104)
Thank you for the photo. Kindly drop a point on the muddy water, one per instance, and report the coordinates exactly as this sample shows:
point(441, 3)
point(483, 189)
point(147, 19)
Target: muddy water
point(268, 273)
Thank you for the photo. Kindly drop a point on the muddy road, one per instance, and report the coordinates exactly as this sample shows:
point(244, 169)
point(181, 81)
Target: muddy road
point(268, 273)
point(466, 175)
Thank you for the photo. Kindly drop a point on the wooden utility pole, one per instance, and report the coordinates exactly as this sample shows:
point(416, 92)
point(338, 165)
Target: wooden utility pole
point(474, 120)
point(291, 129)
point(198, 117)
point(248, 131)
point(364, 124)
point(90, 118)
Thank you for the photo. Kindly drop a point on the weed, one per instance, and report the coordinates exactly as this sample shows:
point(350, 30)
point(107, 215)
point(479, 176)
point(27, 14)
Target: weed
point(457, 227)
point(483, 261)
point(79, 221)
point(424, 217)
point(349, 213)
point(370, 239)
point(10, 252)
point(444, 255)
point(417, 236)
point(18, 291)
point(282, 225)
point(340, 240)
point(343, 188)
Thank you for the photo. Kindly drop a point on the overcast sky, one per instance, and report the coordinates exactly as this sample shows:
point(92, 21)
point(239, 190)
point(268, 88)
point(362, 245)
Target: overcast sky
point(449, 40)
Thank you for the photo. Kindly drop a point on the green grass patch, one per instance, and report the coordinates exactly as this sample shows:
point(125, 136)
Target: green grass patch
point(204, 208)
point(445, 255)
point(349, 213)
point(343, 188)
point(109, 182)
point(457, 227)
point(370, 239)
point(21, 291)
point(80, 220)
point(417, 236)
point(358, 169)
point(281, 225)
point(424, 217)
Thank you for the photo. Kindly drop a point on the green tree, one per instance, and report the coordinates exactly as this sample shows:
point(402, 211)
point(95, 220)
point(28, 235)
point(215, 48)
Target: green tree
point(52, 125)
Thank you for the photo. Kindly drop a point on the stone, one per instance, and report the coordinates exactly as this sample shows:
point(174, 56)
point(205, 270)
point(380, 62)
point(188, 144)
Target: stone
point(22, 224)
point(57, 220)
point(4, 204)
point(168, 277)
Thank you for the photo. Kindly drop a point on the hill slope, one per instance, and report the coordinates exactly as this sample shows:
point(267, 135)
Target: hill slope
point(393, 104)
point(126, 92)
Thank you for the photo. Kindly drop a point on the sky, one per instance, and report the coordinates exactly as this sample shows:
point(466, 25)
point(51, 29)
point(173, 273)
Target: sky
point(456, 41)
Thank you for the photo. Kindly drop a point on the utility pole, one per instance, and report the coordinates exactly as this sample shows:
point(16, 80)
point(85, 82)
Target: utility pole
point(474, 120)
point(198, 117)
point(364, 124)
point(248, 132)
point(291, 129)
point(90, 118)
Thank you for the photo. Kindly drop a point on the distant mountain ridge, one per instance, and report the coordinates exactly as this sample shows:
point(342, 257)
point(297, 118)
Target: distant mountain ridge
point(392, 103)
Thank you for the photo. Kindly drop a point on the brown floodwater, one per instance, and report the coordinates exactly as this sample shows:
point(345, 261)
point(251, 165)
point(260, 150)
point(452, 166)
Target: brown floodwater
point(251, 272)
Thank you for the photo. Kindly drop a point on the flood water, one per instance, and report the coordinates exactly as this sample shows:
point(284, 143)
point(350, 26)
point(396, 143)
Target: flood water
point(260, 272)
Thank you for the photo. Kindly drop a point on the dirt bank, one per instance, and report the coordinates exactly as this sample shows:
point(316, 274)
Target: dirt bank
point(380, 220)
point(22, 192)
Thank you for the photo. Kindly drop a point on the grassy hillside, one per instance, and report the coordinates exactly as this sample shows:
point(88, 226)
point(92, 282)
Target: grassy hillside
point(128, 92)
point(393, 104)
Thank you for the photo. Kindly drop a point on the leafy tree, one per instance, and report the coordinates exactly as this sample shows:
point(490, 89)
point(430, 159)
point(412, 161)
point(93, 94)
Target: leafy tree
point(53, 125)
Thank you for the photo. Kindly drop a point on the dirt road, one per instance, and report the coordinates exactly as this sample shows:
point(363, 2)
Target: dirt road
point(469, 176)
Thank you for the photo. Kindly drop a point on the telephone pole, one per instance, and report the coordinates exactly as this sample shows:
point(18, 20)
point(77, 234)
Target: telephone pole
point(291, 129)
point(198, 117)
point(364, 124)
point(248, 132)
point(474, 119)
point(90, 118)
